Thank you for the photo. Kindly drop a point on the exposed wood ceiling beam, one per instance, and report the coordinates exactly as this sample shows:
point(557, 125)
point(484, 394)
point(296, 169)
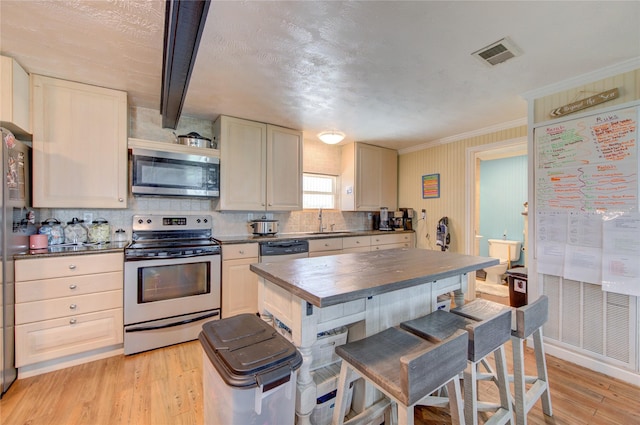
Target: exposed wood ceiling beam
point(183, 26)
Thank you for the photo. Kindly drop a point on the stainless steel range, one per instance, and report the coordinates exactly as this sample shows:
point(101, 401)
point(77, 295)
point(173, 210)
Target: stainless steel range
point(171, 280)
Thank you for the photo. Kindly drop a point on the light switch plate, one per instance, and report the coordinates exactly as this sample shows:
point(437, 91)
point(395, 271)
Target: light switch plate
point(87, 217)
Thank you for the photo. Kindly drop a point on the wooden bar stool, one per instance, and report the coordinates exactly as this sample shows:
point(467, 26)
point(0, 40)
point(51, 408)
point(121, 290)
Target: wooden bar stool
point(489, 329)
point(529, 321)
point(406, 368)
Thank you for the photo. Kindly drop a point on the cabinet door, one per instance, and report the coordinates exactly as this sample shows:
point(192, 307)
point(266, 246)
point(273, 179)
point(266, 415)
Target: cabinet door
point(239, 287)
point(79, 145)
point(376, 178)
point(369, 175)
point(389, 183)
point(284, 169)
point(242, 164)
point(48, 340)
point(14, 97)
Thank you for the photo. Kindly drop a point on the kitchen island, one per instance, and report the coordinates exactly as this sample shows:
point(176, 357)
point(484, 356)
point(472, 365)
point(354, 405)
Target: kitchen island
point(366, 291)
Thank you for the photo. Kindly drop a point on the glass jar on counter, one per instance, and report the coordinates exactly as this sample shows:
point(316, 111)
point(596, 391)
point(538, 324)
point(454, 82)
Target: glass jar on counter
point(75, 232)
point(54, 231)
point(99, 231)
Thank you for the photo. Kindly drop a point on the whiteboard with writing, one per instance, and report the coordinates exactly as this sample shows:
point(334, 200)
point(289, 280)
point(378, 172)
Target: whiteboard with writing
point(586, 175)
point(588, 164)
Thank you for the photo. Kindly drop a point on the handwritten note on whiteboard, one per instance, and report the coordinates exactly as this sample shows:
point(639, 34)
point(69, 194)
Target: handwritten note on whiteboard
point(588, 164)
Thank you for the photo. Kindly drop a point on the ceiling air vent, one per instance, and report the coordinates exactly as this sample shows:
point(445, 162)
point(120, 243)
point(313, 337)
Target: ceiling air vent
point(497, 52)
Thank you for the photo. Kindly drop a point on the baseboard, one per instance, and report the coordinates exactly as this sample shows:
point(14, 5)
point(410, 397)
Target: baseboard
point(627, 376)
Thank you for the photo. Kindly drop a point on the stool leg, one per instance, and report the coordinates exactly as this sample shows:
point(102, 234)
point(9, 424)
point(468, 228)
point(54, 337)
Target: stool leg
point(455, 401)
point(503, 382)
point(343, 386)
point(519, 380)
point(470, 394)
point(541, 365)
point(405, 415)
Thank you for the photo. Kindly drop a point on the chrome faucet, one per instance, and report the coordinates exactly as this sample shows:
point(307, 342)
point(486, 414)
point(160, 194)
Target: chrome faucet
point(320, 226)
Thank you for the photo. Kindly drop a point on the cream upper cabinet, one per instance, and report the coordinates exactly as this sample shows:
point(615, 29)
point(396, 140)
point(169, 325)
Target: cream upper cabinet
point(369, 178)
point(14, 97)
point(284, 169)
point(260, 166)
point(79, 145)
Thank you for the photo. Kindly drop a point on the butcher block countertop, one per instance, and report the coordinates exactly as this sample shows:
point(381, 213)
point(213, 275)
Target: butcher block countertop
point(335, 279)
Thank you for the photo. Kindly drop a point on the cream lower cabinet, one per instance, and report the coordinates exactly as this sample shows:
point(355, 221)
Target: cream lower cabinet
point(322, 247)
point(260, 166)
point(393, 240)
point(239, 283)
point(356, 244)
point(68, 309)
point(79, 145)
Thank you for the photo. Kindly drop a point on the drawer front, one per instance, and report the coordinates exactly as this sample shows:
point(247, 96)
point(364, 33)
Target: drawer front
point(36, 290)
point(67, 306)
point(238, 251)
point(45, 268)
point(390, 246)
point(356, 242)
point(391, 238)
point(330, 244)
point(36, 342)
point(325, 253)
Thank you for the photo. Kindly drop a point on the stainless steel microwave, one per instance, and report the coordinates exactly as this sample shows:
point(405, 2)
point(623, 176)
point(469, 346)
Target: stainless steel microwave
point(163, 173)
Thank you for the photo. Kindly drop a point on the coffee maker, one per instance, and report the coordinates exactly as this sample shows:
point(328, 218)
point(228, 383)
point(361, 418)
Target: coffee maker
point(407, 218)
point(385, 223)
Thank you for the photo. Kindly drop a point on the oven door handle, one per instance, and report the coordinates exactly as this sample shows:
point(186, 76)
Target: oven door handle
point(170, 325)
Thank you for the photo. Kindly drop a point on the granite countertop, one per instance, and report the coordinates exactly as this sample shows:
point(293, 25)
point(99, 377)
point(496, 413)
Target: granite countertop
point(335, 279)
point(303, 235)
point(68, 249)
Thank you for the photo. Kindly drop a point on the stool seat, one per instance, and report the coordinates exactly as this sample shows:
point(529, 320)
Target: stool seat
point(489, 328)
point(405, 367)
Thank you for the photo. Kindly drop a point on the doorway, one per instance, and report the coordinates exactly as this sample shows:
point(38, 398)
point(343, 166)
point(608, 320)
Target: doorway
point(474, 156)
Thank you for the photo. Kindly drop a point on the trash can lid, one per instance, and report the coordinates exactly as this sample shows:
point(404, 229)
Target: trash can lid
point(518, 271)
point(248, 352)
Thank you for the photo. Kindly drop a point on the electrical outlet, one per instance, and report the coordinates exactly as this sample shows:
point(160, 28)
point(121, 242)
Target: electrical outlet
point(369, 216)
point(424, 214)
point(87, 217)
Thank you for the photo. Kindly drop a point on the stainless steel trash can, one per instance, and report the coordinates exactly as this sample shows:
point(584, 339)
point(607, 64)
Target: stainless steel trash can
point(249, 372)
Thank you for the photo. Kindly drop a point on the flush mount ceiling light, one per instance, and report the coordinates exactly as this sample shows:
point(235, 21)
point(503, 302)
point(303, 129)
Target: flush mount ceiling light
point(331, 137)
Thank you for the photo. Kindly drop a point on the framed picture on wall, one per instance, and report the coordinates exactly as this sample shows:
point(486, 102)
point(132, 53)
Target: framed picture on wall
point(430, 186)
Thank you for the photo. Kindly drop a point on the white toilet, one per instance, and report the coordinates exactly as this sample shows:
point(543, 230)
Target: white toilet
point(506, 251)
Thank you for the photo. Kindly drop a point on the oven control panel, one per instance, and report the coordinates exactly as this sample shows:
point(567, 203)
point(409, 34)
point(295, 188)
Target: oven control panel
point(150, 222)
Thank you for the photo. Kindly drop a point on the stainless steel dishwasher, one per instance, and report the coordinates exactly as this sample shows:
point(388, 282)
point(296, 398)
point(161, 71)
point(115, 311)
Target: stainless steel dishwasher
point(275, 251)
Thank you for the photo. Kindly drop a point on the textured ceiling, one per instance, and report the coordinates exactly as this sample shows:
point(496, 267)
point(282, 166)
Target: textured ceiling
point(391, 73)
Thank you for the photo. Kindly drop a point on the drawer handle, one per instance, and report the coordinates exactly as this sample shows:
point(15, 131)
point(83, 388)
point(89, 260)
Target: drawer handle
point(72, 321)
point(73, 286)
point(241, 251)
point(326, 244)
point(73, 307)
point(72, 266)
point(357, 242)
point(120, 199)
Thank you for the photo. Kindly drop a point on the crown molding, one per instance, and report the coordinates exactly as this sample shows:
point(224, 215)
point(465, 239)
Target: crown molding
point(590, 77)
point(462, 136)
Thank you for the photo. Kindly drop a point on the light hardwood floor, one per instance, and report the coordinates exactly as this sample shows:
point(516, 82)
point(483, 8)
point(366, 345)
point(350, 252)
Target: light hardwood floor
point(164, 386)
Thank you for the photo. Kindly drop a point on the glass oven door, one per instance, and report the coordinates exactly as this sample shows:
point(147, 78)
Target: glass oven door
point(162, 288)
